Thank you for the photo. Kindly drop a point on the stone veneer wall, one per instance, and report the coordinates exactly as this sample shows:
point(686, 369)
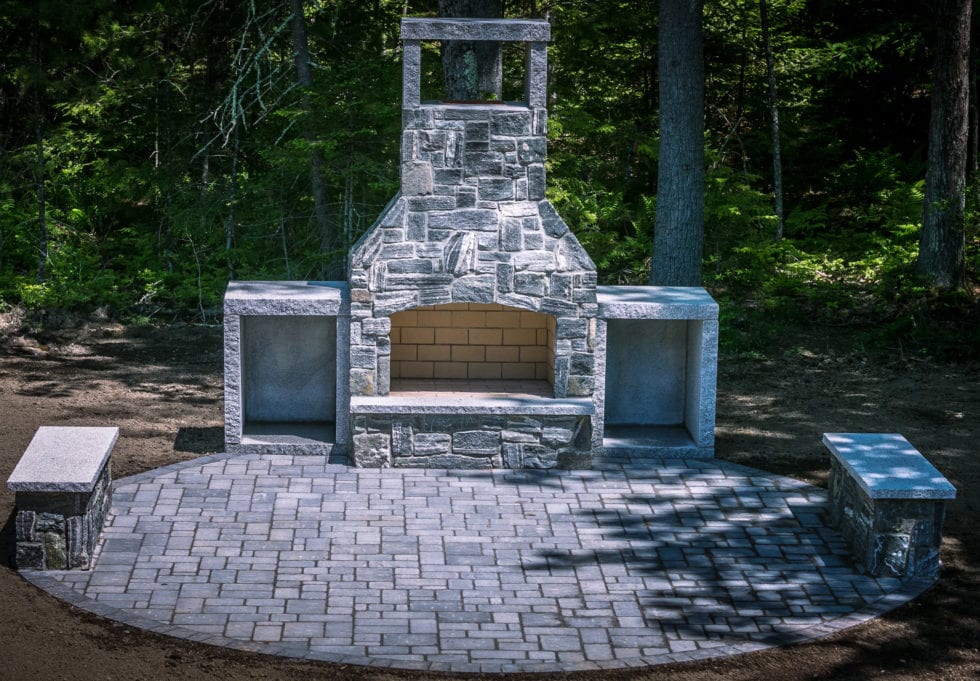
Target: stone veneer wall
point(470, 341)
point(471, 225)
point(472, 441)
point(59, 531)
point(887, 537)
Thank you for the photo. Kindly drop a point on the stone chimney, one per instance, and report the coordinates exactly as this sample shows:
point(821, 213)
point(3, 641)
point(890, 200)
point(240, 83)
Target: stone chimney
point(471, 223)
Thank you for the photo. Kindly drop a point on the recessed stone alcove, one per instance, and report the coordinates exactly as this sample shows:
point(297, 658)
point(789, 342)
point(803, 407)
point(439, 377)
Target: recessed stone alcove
point(657, 371)
point(286, 354)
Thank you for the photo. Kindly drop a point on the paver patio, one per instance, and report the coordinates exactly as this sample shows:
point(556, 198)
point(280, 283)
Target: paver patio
point(475, 571)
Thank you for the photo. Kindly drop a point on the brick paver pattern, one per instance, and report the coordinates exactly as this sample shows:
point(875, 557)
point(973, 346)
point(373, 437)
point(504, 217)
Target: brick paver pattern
point(475, 570)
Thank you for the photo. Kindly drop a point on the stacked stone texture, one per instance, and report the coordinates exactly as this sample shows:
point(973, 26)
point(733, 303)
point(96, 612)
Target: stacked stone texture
point(59, 531)
point(887, 537)
point(471, 225)
point(467, 441)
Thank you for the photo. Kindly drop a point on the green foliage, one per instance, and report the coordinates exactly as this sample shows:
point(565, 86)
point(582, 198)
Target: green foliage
point(847, 261)
point(616, 235)
point(176, 152)
point(143, 187)
point(860, 280)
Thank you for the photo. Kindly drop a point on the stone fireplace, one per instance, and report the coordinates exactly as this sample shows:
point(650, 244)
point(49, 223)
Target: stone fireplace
point(471, 332)
point(471, 228)
point(470, 276)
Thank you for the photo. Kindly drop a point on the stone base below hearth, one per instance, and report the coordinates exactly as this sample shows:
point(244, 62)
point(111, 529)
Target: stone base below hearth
point(492, 432)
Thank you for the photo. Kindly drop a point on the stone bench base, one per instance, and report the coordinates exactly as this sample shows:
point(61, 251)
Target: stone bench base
point(62, 487)
point(888, 502)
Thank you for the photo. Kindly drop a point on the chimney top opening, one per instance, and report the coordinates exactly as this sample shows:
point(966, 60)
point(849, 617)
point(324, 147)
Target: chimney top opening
point(493, 73)
point(488, 72)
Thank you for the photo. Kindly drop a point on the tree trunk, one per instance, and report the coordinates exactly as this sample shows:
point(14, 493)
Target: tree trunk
point(679, 224)
point(329, 246)
point(973, 163)
point(348, 204)
point(942, 242)
point(285, 244)
point(472, 70)
point(232, 202)
point(42, 220)
point(777, 163)
point(165, 233)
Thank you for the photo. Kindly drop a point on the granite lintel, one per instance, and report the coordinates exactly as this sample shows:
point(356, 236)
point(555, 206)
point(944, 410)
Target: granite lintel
point(655, 302)
point(493, 106)
point(887, 466)
point(506, 30)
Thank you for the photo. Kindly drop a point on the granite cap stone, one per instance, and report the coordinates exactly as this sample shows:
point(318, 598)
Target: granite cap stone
point(286, 297)
point(510, 30)
point(655, 302)
point(887, 466)
point(63, 459)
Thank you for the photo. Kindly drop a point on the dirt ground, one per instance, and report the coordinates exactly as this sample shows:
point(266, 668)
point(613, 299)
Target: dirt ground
point(162, 387)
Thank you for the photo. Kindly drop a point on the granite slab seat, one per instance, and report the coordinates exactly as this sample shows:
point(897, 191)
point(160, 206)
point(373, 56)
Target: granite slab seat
point(889, 503)
point(62, 487)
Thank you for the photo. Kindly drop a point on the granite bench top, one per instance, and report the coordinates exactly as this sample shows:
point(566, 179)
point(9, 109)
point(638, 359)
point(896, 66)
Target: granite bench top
point(63, 459)
point(887, 466)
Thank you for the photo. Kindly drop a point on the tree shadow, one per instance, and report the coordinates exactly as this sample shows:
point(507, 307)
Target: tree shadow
point(8, 540)
point(747, 559)
point(713, 573)
point(182, 360)
point(200, 440)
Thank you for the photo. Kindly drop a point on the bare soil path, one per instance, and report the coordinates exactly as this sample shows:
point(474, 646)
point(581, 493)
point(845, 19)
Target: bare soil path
point(162, 387)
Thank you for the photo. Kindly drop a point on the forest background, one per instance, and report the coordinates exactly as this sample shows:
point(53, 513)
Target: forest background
point(151, 150)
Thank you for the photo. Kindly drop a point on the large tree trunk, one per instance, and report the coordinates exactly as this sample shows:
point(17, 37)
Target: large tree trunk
point(42, 220)
point(472, 70)
point(679, 225)
point(232, 204)
point(777, 162)
point(942, 243)
point(972, 163)
point(329, 246)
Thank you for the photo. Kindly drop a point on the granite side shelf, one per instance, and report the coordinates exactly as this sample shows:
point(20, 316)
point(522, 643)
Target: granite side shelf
point(286, 363)
point(889, 503)
point(62, 487)
point(656, 373)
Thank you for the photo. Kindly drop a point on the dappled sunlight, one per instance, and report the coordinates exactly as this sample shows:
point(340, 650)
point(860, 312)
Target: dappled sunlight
point(137, 363)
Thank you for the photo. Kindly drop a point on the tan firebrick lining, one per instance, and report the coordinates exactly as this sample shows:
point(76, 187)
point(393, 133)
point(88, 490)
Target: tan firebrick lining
point(472, 341)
